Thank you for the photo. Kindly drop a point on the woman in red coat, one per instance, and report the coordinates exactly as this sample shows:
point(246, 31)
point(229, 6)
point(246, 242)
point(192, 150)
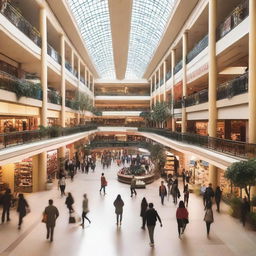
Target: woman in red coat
point(182, 217)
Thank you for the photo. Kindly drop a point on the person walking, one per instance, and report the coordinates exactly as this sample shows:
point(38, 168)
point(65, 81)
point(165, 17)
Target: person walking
point(162, 192)
point(103, 183)
point(22, 209)
point(175, 192)
point(133, 185)
point(62, 184)
point(245, 209)
point(6, 202)
point(186, 195)
point(143, 209)
point(85, 210)
point(182, 217)
point(69, 202)
point(208, 195)
point(151, 217)
point(218, 195)
point(208, 217)
point(52, 214)
point(119, 204)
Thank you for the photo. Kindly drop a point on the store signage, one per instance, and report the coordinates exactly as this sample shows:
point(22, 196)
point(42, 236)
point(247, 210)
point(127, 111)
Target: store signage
point(203, 69)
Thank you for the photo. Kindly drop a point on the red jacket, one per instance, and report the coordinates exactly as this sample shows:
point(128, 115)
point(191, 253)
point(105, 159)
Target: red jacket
point(182, 213)
point(103, 181)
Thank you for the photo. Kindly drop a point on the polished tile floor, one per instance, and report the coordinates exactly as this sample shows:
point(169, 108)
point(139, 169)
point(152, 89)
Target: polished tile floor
point(103, 237)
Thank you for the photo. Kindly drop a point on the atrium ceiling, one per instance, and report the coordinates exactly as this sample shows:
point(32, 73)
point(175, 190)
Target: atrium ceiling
point(122, 35)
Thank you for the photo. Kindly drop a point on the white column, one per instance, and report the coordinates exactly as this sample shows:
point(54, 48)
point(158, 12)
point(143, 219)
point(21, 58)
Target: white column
point(252, 71)
point(173, 52)
point(184, 82)
point(159, 88)
point(164, 79)
point(63, 81)
point(151, 85)
point(43, 31)
point(155, 90)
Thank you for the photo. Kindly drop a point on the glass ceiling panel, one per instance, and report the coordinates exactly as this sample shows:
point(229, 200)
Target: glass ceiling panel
point(92, 17)
point(149, 19)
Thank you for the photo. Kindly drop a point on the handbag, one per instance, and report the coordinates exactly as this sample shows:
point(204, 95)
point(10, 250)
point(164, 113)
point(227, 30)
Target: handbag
point(44, 219)
point(185, 221)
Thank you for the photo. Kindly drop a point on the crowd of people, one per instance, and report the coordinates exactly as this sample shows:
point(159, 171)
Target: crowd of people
point(148, 213)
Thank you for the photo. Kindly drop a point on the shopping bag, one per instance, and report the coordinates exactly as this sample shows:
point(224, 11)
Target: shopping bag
point(28, 210)
point(44, 219)
point(71, 220)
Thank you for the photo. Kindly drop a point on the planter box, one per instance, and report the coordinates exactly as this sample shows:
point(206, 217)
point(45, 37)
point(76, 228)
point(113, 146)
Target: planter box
point(48, 186)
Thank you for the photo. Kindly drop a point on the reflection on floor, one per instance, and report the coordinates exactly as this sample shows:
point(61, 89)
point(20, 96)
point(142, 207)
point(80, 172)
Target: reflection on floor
point(103, 237)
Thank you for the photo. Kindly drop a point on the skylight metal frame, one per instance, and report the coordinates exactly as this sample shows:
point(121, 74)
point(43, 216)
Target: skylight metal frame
point(149, 20)
point(93, 20)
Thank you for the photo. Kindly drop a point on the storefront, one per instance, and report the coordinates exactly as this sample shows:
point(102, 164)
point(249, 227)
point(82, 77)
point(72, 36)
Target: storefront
point(52, 164)
point(53, 118)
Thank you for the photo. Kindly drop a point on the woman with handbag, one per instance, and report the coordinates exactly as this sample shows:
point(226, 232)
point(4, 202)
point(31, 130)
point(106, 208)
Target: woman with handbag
point(22, 209)
point(182, 217)
point(208, 217)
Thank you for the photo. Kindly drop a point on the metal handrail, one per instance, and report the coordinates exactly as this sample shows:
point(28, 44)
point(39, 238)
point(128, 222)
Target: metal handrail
point(53, 54)
point(178, 67)
point(229, 147)
point(16, 18)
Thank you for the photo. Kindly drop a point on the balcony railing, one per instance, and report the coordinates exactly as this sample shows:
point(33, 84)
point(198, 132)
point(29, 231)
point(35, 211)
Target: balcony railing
point(17, 138)
point(200, 46)
point(53, 54)
point(230, 147)
point(168, 75)
point(177, 104)
point(116, 143)
point(197, 98)
point(123, 109)
point(16, 18)
point(19, 86)
point(226, 90)
point(82, 80)
point(98, 93)
point(72, 104)
point(178, 67)
point(234, 19)
point(54, 97)
point(234, 87)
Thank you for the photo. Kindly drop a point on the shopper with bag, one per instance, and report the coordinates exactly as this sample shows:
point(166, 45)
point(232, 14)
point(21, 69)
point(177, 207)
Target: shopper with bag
point(51, 213)
point(133, 185)
point(208, 217)
point(6, 201)
point(103, 183)
point(85, 210)
point(22, 209)
point(182, 217)
point(119, 204)
point(69, 202)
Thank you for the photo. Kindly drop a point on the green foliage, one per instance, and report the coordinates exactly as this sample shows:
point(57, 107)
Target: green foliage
point(236, 204)
point(147, 116)
point(157, 154)
point(161, 112)
point(243, 175)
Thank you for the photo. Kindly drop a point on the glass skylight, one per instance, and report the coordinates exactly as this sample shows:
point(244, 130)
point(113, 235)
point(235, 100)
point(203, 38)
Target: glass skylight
point(149, 19)
point(92, 17)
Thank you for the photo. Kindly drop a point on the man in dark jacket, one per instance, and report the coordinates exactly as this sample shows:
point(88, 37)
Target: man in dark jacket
point(151, 216)
point(6, 201)
point(208, 195)
point(52, 214)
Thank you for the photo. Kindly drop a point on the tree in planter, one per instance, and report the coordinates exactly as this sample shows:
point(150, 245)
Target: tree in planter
point(243, 175)
point(147, 116)
point(158, 156)
point(161, 113)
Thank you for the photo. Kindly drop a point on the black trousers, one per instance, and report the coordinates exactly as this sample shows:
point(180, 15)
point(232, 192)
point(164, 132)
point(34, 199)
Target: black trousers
point(85, 217)
point(133, 191)
point(208, 226)
point(50, 230)
point(6, 211)
point(143, 221)
point(21, 216)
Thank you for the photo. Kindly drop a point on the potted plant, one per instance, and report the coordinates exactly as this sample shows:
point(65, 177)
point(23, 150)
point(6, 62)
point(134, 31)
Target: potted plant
point(49, 183)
